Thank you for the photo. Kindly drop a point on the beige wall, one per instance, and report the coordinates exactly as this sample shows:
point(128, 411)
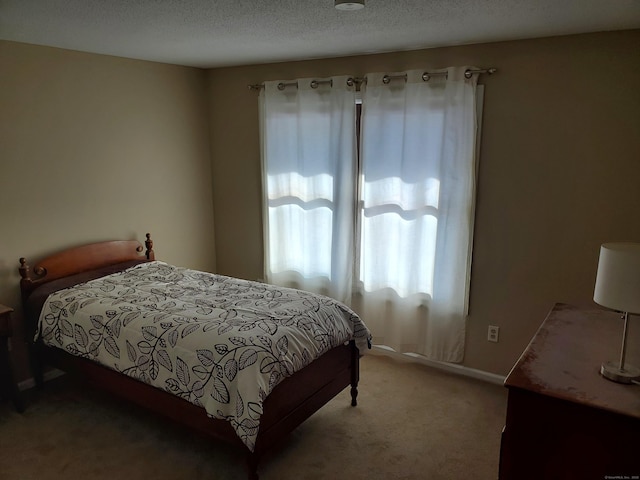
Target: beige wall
point(98, 148)
point(559, 171)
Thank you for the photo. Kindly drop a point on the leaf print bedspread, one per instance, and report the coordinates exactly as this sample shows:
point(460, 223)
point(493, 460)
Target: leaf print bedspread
point(219, 342)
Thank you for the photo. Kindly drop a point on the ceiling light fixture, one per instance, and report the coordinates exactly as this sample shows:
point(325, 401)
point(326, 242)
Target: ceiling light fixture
point(345, 5)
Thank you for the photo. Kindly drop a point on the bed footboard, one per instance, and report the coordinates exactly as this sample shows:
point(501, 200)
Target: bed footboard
point(293, 401)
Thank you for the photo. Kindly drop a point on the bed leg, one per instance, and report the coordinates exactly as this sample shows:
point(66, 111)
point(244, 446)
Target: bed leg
point(252, 465)
point(355, 373)
point(36, 365)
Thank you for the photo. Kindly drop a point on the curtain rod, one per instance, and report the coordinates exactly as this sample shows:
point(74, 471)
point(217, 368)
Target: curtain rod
point(426, 76)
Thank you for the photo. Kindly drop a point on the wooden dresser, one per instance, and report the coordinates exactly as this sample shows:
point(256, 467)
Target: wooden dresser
point(564, 420)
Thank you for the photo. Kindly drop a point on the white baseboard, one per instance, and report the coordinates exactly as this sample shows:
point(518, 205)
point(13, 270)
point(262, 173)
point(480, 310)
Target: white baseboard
point(448, 367)
point(48, 375)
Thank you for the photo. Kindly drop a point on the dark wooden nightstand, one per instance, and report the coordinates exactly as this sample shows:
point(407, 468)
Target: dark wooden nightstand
point(8, 386)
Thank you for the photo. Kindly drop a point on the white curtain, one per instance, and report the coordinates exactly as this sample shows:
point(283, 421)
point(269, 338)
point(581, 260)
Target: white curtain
point(308, 155)
point(416, 211)
point(401, 220)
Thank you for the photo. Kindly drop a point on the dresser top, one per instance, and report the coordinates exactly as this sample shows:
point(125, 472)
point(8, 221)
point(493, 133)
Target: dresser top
point(564, 357)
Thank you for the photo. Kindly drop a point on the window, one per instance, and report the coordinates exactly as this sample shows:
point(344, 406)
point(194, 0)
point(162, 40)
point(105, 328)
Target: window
point(390, 232)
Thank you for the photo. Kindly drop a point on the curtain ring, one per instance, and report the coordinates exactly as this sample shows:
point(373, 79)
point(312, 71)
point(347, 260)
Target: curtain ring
point(468, 73)
point(426, 77)
point(317, 83)
point(350, 82)
point(281, 86)
point(387, 78)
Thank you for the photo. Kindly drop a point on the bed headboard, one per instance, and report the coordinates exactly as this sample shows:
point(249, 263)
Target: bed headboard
point(81, 259)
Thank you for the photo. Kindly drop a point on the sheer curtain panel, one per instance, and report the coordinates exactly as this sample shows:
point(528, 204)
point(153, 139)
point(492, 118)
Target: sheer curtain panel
point(415, 219)
point(308, 158)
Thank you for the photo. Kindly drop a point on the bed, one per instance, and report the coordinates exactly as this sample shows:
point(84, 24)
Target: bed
point(243, 362)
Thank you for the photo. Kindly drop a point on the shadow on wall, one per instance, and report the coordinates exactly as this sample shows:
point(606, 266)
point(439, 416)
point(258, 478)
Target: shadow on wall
point(9, 285)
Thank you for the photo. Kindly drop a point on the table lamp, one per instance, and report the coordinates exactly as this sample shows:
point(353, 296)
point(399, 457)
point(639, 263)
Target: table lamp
point(618, 288)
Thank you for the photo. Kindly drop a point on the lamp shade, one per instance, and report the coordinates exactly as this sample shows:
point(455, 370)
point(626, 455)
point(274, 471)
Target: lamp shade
point(618, 278)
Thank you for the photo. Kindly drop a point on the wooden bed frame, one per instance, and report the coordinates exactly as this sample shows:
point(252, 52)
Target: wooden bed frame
point(292, 401)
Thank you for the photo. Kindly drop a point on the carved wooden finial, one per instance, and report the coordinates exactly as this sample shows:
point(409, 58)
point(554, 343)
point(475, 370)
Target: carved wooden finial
point(149, 244)
point(24, 269)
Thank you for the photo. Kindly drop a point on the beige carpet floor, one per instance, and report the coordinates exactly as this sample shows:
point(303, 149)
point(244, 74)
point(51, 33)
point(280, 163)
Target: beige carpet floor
point(412, 422)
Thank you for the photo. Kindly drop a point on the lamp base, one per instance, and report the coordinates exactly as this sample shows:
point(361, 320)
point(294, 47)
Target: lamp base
point(612, 371)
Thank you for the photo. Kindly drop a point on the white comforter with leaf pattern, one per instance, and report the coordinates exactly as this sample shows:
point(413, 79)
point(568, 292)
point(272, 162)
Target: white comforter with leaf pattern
point(218, 342)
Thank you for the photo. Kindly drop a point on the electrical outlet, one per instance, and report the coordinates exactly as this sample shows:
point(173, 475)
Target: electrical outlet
point(493, 333)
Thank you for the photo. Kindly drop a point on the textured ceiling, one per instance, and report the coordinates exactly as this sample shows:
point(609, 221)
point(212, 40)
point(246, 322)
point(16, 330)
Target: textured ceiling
point(213, 33)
